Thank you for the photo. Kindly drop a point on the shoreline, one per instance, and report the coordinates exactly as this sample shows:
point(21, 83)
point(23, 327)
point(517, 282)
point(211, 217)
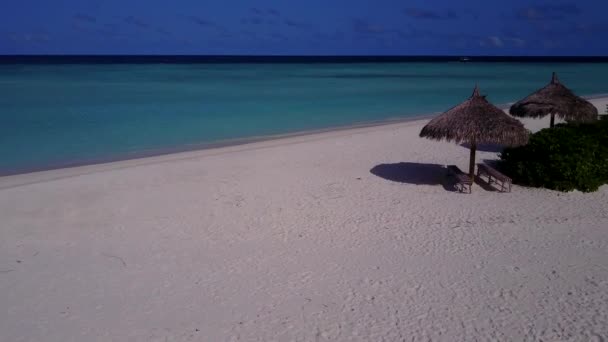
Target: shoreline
point(161, 155)
point(150, 153)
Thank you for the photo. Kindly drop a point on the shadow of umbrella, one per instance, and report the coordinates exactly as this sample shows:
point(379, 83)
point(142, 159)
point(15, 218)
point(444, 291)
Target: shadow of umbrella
point(411, 173)
point(485, 147)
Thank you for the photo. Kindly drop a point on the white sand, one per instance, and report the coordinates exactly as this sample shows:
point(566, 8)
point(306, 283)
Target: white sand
point(296, 240)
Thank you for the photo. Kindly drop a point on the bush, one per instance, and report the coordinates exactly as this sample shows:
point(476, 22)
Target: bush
point(564, 158)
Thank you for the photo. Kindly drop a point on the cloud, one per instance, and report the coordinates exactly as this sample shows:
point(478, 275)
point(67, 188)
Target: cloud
point(110, 32)
point(550, 44)
point(553, 22)
point(28, 37)
point(278, 36)
point(517, 42)
point(265, 12)
point(132, 20)
point(554, 29)
point(496, 41)
point(252, 21)
point(208, 24)
point(227, 34)
point(491, 41)
point(256, 11)
point(248, 33)
point(255, 35)
point(84, 18)
point(501, 42)
point(377, 34)
point(83, 22)
point(361, 26)
point(104, 31)
point(592, 29)
point(163, 31)
point(271, 17)
point(260, 16)
point(202, 22)
point(333, 36)
point(136, 22)
point(420, 13)
point(296, 24)
point(459, 40)
point(447, 39)
point(548, 12)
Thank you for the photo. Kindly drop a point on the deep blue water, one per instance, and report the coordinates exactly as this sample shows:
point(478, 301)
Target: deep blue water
point(56, 114)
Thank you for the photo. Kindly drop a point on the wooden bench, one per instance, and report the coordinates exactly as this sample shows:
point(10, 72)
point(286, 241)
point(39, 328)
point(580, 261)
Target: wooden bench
point(494, 177)
point(462, 181)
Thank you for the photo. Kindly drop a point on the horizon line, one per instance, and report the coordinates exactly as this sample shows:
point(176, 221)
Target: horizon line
point(295, 55)
point(284, 59)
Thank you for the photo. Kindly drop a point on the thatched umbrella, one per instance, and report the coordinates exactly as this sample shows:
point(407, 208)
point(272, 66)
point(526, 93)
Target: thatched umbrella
point(476, 121)
point(555, 99)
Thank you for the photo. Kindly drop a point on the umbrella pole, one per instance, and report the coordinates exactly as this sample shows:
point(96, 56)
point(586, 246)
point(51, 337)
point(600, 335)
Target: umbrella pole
point(552, 120)
point(472, 162)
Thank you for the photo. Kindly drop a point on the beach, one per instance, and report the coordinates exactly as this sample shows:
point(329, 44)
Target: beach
point(348, 235)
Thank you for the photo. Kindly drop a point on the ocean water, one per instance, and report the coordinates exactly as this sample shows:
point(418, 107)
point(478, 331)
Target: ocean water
point(53, 115)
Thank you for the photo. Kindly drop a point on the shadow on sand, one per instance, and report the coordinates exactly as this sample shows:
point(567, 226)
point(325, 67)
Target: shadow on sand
point(422, 174)
point(486, 147)
point(413, 173)
point(482, 182)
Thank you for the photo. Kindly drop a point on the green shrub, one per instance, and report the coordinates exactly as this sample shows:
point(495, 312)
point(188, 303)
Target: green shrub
point(564, 158)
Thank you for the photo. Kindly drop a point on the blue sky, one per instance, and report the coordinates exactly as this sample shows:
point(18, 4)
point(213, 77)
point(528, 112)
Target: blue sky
point(312, 27)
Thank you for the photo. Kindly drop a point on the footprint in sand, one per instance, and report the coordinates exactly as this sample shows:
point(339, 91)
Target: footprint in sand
point(595, 338)
point(333, 191)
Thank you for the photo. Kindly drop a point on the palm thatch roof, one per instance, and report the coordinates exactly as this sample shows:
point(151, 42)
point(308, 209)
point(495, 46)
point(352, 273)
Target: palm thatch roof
point(476, 121)
point(557, 100)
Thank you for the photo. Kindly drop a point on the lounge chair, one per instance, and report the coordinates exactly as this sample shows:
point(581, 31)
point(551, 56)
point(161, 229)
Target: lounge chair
point(461, 180)
point(494, 176)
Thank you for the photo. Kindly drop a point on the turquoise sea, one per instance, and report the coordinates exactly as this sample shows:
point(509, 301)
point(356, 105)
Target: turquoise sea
point(53, 115)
